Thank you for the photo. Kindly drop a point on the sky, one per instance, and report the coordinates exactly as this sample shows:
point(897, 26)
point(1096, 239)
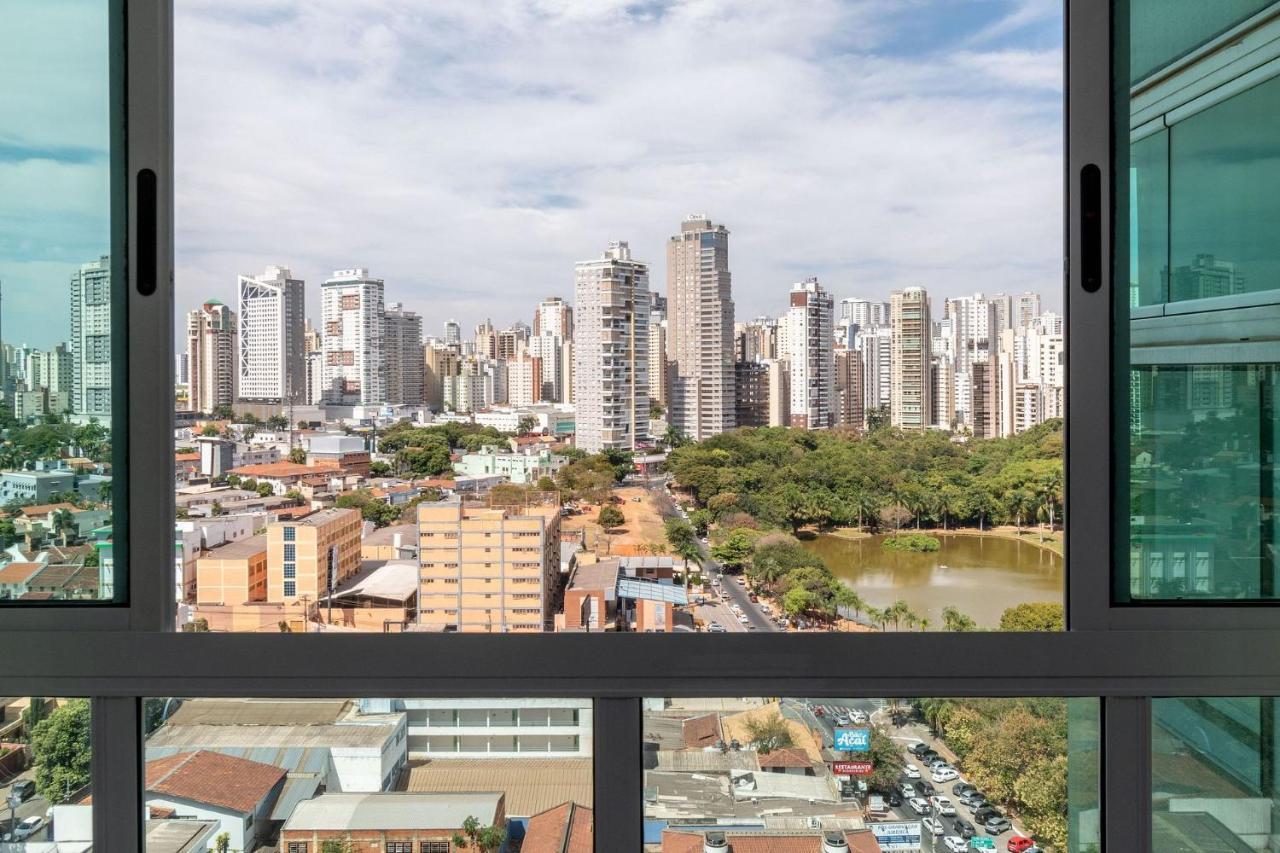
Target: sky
point(469, 153)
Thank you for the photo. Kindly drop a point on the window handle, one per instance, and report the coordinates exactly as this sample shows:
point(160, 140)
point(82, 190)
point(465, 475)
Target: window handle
point(1091, 228)
point(147, 237)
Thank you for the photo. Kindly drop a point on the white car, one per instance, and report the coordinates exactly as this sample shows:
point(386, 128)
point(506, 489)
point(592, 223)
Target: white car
point(933, 826)
point(943, 806)
point(842, 719)
point(28, 827)
point(955, 844)
point(907, 789)
point(911, 771)
point(919, 805)
point(743, 619)
point(945, 774)
point(858, 716)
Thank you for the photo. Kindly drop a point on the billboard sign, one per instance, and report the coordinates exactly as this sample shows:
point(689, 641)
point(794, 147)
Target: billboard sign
point(896, 836)
point(852, 740)
point(852, 768)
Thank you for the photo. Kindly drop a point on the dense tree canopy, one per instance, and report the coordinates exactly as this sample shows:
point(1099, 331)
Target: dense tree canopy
point(793, 478)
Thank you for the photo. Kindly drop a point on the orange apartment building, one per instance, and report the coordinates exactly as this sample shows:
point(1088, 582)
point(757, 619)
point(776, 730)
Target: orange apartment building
point(260, 582)
point(490, 569)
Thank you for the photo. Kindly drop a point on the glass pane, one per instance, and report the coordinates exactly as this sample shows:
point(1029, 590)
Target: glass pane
point(1213, 774)
point(903, 774)
point(781, 413)
point(409, 775)
point(1204, 316)
point(45, 775)
point(59, 343)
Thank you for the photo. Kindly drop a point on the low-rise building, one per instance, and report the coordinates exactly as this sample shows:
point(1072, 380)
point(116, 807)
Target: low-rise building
point(566, 828)
point(389, 821)
point(236, 793)
point(233, 573)
point(499, 729)
point(522, 467)
point(35, 486)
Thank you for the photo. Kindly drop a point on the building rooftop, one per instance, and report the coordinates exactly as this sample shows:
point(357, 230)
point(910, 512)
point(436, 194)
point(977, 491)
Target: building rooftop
point(304, 736)
point(250, 546)
point(566, 828)
point(276, 469)
point(532, 785)
point(701, 731)
point(650, 590)
point(236, 784)
point(179, 836)
point(394, 810)
point(392, 580)
point(785, 758)
point(596, 576)
point(764, 841)
point(259, 712)
point(386, 535)
point(19, 572)
point(324, 516)
point(44, 509)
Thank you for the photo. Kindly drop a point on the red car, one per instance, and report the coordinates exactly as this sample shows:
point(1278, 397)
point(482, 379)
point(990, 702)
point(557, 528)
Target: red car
point(1018, 844)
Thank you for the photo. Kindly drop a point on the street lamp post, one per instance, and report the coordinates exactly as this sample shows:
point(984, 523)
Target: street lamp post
point(13, 801)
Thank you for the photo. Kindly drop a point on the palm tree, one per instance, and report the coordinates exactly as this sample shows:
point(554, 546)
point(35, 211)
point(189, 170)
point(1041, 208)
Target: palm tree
point(1050, 489)
point(924, 624)
point(876, 616)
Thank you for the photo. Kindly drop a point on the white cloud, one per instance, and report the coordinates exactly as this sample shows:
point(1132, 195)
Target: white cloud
point(471, 152)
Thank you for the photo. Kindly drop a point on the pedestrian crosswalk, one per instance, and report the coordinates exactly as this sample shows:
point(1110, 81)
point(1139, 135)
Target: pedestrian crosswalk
point(832, 711)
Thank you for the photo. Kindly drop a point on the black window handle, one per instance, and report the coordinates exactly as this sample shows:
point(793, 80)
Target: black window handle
point(147, 237)
point(1091, 228)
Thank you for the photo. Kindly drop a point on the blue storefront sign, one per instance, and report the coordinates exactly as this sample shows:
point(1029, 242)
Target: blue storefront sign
point(853, 740)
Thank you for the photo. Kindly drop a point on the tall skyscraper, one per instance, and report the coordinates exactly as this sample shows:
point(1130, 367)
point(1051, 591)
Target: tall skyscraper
point(91, 338)
point(211, 356)
point(486, 340)
point(875, 348)
point(850, 410)
point(1026, 309)
point(910, 404)
point(452, 333)
point(809, 349)
point(659, 368)
point(402, 344)
point(700, 329)
point(441, 364)
point(524, 380)
point(351, 308)
point(864, 312)
point(553, 316)
point(550, 350)
point(271, 364)
point(611, 351)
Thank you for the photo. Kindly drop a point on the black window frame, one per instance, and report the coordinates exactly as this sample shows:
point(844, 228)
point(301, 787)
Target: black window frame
point(1122, 654)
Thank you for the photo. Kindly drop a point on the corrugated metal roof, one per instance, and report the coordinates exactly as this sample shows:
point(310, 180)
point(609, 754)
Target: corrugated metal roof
point(652, 591)
point(532, 785)
point(296, 790)
point(392, 810)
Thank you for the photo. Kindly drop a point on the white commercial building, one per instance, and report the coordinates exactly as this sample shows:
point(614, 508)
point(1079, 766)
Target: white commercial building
point(494, 728)
point(351, 309)
point(211, 356)
point(91, 338)
point(810, 352)
point(271, 364)
point(611, 352)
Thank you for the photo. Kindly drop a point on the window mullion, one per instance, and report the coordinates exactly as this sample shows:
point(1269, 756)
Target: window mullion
point(618, 775)
point(1126, 773)
point(116, 772)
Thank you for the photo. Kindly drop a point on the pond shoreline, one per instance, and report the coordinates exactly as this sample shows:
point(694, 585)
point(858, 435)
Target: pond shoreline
point(1030, 536)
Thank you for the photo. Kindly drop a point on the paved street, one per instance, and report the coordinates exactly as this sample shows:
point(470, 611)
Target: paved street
point(35, 806)
point(711, 570)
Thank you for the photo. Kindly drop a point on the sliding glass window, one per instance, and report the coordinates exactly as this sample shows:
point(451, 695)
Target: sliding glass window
point(62, 288)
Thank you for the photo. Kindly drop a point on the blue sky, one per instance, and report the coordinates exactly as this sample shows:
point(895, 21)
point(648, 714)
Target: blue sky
point(470, 152)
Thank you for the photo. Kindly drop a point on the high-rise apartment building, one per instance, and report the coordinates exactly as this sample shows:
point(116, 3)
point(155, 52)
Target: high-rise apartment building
point(351, 308)
point(757, 339)
point(486, 340)
point(271, 359)
point(524, 380)
point(211, 356)
point(91, 338)
point(553, 316)
point(751, 383)
point(440, 363)
point(809, 349)
point(1026, 309)
point(942, 392)
point(452, 333)
point(402, 344)
point(659, 367)
point(910, 403)
point(611, 351)
point(489, 569)
point(850, 409)
point(50, 369)
point(864, 312)
point(779, 392)
point(1002, 306)
point(552, 351)
point(700, 329)
point(875, 347)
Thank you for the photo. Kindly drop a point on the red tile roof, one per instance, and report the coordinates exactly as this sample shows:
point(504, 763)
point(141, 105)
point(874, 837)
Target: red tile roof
point(194, 456)
point(789, 757)
point(214, 779)
point(566, 828)
point(273, 469)
point(19, 572)
point(701, 731)
point(692, 842)
point(45, 509)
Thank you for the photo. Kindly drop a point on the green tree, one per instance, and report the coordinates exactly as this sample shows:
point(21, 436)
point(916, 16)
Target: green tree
point(526, 425)
point(222, 412)
point(610, 517)
point(701, 520)
point(210, 431)
point(486, 839)
point(378, 468)
point(33, 713)
point(769, 732)
point(735, 550)
point(222, 842)
point(371, 509)
point(8, 534)
point(797, 601)
point(265, 490)
point(886, 761)
point(338, 845)
point(1034, 616)
point(954, 620)
point(683, 541)
point(298, 456)
point(61, 749)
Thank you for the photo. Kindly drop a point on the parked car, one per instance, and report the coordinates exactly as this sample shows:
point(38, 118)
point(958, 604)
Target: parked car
point(907, 790)
point(894, 800)
point(23, 789)
point(918, 748)
point(963, 828)
point(962, 788)
point(842, 719)
point(911, 771)
point(943, 806)
point(945, 774)
point(1020, 844)
point(28, 827)
point(938, 761)
point(925, 788)
point(997, 825)
point(716, 628)
point(973, 800)
point(928, 755)
point(743, 619)
point(919, 805)
point(933, 826)
point(955, 844)
point(985, 812)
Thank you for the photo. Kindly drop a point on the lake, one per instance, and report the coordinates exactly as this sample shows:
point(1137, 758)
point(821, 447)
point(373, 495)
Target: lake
point(979, 575)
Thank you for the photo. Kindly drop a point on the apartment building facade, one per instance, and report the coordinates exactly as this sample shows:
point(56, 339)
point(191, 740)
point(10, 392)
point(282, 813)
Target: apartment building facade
point(488, 569)
point(809, 349)
point(211, 357)
point(271, 360)
point(306, 556)
point(910, 400)
point(351, 304)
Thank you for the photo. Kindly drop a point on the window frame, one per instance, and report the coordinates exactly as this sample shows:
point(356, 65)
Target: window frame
point(1124, 655)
